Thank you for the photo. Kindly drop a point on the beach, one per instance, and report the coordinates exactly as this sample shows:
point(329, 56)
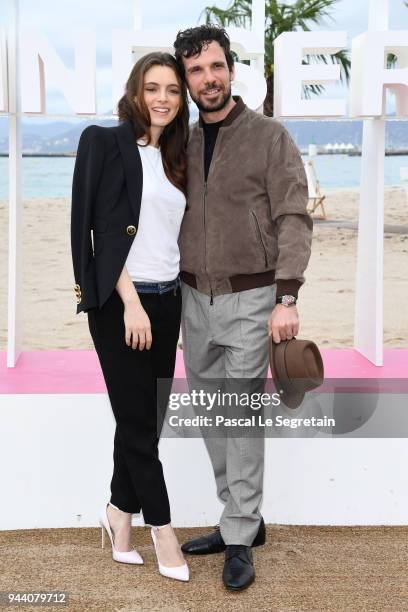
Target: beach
point(326, 301)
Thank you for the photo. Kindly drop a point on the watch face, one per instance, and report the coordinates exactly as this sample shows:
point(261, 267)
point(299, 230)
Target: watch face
point(288, 300)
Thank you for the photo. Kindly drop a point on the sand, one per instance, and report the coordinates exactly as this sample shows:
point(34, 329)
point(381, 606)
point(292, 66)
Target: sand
point(301, 568)
point(326, 303)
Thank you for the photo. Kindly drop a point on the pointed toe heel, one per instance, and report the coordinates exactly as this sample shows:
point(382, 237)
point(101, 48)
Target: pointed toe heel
point(130, 556)
point(180, 572)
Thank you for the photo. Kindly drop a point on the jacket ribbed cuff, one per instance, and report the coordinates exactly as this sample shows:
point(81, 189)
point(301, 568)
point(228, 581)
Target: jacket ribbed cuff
point(287, 287)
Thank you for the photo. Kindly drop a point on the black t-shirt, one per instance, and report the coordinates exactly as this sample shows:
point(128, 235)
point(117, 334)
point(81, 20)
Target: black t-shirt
point(210, 137)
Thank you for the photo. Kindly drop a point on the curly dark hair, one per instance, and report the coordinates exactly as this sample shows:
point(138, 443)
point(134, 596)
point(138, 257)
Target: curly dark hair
point(191, 42)
point(173, 140)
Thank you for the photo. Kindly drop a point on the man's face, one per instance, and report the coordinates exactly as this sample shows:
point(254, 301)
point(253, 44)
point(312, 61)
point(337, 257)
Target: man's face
point(208, 78)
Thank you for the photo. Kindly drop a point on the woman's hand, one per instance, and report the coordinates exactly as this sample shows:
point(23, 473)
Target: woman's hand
point(138, 332)
point(137, 325)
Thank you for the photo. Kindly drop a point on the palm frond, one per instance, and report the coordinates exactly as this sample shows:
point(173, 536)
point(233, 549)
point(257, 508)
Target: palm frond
point(282, 17)
point(238, 13)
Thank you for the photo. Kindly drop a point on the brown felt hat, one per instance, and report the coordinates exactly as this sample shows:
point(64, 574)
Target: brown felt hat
point(297, 367)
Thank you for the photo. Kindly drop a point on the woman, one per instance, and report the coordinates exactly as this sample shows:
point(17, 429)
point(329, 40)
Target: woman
point(129, 188)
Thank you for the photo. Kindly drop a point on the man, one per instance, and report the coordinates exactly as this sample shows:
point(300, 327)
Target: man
point(245, 243)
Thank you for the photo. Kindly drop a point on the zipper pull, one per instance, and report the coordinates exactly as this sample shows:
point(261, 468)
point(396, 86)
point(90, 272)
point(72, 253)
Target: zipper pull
point(205, 187)
point(211, 300)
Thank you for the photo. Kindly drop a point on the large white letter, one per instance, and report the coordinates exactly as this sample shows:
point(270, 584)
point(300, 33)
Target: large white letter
point(369, 74)
point(249, 82)
point(127, 47)
point(39, 58)
point(290, 73)
point(3, 73)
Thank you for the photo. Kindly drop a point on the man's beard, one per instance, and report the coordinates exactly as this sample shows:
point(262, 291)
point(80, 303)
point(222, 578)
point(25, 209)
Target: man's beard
point(214, 109)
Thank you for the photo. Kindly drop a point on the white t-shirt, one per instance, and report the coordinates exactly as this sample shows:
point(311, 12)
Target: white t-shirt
point(154, 255)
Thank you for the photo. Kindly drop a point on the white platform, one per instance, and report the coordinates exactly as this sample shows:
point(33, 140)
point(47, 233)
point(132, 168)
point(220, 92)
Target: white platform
point(56, 458)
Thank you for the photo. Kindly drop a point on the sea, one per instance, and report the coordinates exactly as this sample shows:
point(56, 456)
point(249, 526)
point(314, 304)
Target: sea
point(51, 177)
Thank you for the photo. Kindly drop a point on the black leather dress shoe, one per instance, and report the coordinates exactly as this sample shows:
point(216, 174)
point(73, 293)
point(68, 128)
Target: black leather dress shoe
point(239, 570)
point(211, 543)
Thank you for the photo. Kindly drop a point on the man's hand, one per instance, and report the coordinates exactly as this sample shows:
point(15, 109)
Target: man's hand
point(283, 324)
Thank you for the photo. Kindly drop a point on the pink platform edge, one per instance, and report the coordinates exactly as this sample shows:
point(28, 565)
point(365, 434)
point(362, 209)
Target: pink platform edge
point(66, 371)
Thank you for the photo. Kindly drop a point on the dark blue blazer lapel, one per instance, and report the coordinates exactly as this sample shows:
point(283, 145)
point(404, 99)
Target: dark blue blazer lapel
point(132, 164)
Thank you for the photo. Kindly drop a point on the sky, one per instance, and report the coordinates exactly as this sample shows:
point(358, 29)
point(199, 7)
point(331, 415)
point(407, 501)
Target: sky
point(58, 18)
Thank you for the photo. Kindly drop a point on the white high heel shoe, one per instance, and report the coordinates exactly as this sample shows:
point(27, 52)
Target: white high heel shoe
point(130, 556)
point(179, 572)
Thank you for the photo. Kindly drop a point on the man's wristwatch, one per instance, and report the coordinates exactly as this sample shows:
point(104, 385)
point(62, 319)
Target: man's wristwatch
point(286, 300)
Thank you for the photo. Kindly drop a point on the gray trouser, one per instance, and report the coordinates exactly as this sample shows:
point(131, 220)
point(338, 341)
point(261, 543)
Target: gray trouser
point(228, 340)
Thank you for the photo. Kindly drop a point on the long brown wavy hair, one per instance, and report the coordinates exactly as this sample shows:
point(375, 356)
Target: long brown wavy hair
point(173, 139)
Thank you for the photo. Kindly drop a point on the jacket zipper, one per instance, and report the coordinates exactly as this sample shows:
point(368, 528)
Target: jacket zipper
point(260, 238)
point(204, 207)
point(205, 239)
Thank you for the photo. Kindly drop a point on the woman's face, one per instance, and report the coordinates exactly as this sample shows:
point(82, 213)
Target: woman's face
point(162, 95)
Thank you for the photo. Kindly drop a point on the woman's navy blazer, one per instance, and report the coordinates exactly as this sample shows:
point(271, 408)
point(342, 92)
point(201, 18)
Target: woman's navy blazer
point(106, 197)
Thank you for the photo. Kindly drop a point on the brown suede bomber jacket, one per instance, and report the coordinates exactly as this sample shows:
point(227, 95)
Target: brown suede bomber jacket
point(250, 216)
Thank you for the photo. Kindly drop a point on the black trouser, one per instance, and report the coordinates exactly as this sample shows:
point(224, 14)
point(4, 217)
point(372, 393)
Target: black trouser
point(131, 379)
